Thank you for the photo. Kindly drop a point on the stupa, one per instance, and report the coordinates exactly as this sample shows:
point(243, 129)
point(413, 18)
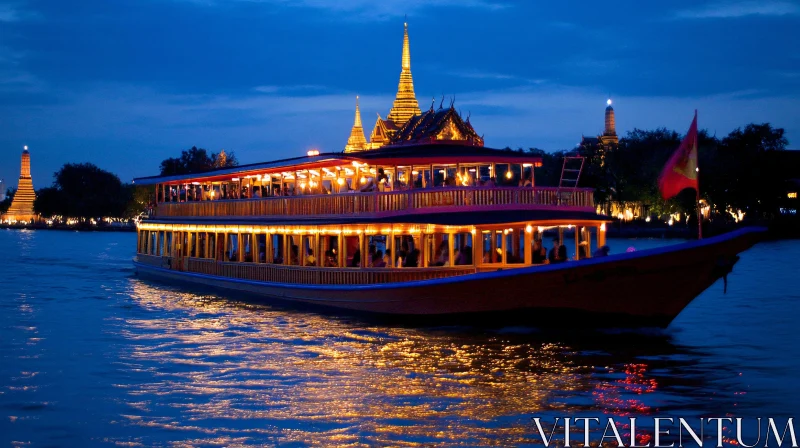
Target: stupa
point(21, 209)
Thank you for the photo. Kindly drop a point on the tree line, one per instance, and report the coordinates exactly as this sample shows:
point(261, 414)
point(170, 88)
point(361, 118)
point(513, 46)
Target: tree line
point(746, 170)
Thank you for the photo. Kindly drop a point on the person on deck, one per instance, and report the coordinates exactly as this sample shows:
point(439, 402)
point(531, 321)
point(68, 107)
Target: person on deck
point(377, 260)
point(539, 254)
point(556, 255)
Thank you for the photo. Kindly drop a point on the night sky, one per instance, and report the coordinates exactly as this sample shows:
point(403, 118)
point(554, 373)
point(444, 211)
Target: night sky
point(126, 83)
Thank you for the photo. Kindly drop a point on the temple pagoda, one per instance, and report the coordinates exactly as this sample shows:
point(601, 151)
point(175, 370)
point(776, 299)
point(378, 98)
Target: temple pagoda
point(406, 124)
point(21, 209)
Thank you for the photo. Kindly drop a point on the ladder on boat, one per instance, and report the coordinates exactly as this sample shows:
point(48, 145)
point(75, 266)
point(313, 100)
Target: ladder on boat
point(570, 175)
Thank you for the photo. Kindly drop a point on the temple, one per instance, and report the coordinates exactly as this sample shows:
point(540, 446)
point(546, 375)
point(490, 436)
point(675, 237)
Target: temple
point(608, 139)
point(406, 124)
point(21, 209)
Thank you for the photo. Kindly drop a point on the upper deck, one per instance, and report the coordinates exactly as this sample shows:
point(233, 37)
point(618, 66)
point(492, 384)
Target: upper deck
point(381, 184)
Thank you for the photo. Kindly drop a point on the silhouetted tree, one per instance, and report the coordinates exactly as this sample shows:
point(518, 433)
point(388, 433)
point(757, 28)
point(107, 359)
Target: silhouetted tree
point(195, 160)
point(6, 203)
point(84, 191)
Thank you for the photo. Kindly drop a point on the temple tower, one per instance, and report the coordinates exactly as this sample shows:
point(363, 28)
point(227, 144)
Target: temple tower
point(610, 132)
point(22, 205)
point(405, 103)
point(357, 141)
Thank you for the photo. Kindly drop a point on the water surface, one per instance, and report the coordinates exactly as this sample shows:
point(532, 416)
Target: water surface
point(91, 355)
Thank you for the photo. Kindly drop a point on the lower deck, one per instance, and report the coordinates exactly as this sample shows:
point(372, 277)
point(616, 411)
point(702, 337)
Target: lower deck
point(332, 255)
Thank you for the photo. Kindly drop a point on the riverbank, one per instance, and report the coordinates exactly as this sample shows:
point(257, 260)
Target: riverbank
point(86, 228)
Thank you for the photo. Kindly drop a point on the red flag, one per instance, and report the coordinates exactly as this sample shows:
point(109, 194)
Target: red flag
point(681, 170)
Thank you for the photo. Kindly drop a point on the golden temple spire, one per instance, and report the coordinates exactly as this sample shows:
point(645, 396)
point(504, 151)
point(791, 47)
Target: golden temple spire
point(357, 140)
point(405, 103)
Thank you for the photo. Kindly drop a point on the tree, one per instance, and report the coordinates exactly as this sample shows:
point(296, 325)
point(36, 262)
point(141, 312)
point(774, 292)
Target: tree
point(84, 191)
point(6, 203)
point(744, 172)
point(195, 160)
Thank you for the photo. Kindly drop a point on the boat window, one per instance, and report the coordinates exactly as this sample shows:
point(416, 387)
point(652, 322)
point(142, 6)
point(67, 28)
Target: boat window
point(352, 253)
point(277, 249)
point(492, 246)
point(538, 248)
point(515, 244)
point(247, 247)
point(463, 249)
point(232, 248)
point(293, 242)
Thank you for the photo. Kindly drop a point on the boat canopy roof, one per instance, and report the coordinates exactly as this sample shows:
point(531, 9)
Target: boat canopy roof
point(432, 154)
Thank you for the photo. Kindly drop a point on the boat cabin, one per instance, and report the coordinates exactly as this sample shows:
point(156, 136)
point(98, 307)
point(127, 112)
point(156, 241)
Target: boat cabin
point(393, 214)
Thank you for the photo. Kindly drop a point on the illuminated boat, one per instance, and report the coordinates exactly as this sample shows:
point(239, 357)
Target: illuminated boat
point(464, 226)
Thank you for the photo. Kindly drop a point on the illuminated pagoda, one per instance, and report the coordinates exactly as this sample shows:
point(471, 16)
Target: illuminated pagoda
point(357, 140)
point(407, 124)
point(21, 209)
point(608, 139)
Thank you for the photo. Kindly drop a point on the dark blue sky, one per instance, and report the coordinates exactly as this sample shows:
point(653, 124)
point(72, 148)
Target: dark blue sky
point(127, 83)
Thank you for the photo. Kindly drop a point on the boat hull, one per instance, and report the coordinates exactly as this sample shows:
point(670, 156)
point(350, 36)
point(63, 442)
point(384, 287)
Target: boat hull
point(644, 288)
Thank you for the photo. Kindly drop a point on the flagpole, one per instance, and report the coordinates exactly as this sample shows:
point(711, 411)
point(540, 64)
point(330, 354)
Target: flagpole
point(699, 209)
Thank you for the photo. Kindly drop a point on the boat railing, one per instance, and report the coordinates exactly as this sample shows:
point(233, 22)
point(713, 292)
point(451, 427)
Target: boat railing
point(318, 275)
point(449, 199)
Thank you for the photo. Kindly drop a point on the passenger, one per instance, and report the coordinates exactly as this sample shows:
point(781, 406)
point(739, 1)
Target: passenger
point(583, 250)
point(371, 253)
point(356, 261)
point(256, 193)
point(562, 253)
point(464, 256)
point(556, 255)
point(401, 256)
point(330, 258)
point(442, 255)
point(490, 183)
point(412, 259)
point(311, 260)
point(387, 258)
point(539, 254)
point(295, 255)
point(527, 182)
point(377, 260)
point(602, 251)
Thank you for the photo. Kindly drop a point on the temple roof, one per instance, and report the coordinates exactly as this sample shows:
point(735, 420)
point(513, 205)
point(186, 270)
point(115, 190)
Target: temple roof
point(441, 126)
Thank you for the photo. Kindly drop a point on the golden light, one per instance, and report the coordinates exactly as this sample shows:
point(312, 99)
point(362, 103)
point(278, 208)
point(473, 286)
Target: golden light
point(529, 228)
point(527, 165)
point(792, 195)
point(472, 170)
point(508, 175)
point(363, 180)
point(603, 227)
point(313, 152)
point(340, 181)
point(235, 179)
point(415, 172)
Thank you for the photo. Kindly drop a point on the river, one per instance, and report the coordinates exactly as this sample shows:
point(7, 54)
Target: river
point(90, 355)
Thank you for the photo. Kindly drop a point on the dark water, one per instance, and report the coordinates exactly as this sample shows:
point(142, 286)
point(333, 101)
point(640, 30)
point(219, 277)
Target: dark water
point(90, 355)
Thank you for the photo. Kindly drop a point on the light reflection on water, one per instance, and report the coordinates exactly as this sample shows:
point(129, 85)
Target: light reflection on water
point(93, 355)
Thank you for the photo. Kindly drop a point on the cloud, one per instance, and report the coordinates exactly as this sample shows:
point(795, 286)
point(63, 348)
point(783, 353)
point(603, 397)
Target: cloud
point(727, 10)
point(298, 88)
point(13, 12)
point(371, 9)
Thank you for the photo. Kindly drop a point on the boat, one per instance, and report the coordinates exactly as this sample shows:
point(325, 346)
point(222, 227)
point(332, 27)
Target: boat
point(421, 223)
point(465, 223)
